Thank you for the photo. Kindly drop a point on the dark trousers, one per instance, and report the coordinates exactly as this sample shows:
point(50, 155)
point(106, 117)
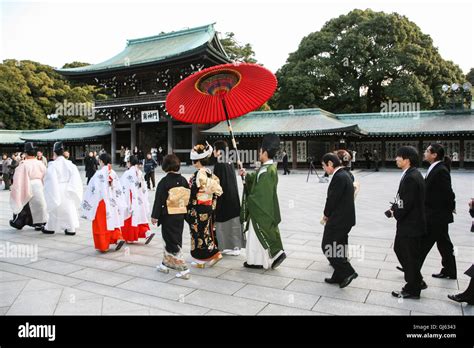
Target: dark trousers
point(285, 169)
point(6, 180)
point(438, 233)
point(335, 240)
point(23, 218)
point(150, 176)
point(409, 254)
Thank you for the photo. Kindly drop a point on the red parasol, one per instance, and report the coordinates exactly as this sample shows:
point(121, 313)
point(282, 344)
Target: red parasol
point(221, 93)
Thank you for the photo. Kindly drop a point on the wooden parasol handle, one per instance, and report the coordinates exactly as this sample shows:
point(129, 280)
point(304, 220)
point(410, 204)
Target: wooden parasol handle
point(234, 144)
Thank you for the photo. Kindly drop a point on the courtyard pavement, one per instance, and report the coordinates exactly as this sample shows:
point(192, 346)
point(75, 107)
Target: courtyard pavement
point(67, 276)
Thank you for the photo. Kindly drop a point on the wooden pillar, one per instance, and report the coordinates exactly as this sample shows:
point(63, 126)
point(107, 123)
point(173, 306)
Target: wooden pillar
point(420, 150)
point(194, 135)
point(383, 155)
point(113, 143)
point(170, 136)
point(294, 154)
point(462, 152)
point(133, 136)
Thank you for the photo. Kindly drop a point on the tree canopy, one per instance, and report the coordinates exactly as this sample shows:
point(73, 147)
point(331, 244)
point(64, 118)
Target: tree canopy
point(362, 59)
point(29, 92)
point(236, 51)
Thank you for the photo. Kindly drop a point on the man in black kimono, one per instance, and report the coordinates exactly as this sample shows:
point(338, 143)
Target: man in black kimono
point(439, 205)
point(409, 211)
point(339, 217)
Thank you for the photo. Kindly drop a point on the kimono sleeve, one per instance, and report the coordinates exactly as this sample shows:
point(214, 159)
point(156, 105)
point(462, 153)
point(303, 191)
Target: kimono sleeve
point(92, 197)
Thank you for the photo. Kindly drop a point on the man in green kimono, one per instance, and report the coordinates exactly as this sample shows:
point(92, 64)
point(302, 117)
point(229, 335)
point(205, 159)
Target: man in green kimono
point(260, 210)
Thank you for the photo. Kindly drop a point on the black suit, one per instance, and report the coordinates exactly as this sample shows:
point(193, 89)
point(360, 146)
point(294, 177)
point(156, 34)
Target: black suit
point(340, 212)
point(439, 205)
point(285, 165)
point(409, 211)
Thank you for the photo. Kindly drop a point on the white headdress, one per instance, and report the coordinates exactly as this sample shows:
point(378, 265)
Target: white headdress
point(200, 151)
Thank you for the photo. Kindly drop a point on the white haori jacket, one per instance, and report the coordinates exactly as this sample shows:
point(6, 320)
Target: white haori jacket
point(63, 193)
point(138, 207)
point(105, 185)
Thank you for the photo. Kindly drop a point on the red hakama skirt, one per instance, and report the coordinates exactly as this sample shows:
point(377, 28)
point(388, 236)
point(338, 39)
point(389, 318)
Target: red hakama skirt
point(132, 233)
point(103, 237)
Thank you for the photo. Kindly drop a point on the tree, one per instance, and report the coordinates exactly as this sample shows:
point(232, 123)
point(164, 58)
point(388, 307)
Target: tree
point(29, 91)
point(470, 76)
point(359, 60)
point(237, 52)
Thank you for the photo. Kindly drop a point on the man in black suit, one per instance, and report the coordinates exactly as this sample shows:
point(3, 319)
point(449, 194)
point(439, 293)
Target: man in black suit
point(439, 206)
point(409, 211)
point(339, 217)
point(285, 163)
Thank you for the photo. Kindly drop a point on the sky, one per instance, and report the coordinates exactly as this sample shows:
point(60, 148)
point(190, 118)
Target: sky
point(58, 32)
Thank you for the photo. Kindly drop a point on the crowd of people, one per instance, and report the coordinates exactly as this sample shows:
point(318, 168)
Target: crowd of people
point(47, 196)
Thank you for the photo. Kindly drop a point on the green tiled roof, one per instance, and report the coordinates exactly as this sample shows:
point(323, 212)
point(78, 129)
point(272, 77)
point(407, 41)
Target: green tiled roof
point(73, 131)
point(286, 122)
point(423, 122)
point(155, 49)
point(15, 136)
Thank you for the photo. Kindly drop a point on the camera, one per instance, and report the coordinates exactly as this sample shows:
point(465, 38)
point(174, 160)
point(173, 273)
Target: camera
point(388, 213)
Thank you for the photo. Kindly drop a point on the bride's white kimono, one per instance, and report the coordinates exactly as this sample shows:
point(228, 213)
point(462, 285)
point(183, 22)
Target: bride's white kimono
point(63, 193)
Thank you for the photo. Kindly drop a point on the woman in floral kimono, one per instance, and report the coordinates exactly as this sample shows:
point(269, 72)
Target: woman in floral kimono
point(138, 208)
point(104, 204)
point(205, 189)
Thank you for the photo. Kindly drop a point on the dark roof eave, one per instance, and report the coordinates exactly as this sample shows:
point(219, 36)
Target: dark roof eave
point(97, 137)
point(353, 128)
point(419, 133)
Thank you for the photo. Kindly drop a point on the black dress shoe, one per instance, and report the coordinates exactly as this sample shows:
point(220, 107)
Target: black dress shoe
point(423, 286)
point(246, 265)
point(461, 298)
point(45, 231)
point(120, 244)
point(150, 237)
point(38, 227)
point(441, 275)
point(67, 233)
point(404, 294)
point(348, 280)
point(458, 298)
point(278, 261)
point(400, 269)
point(331, 281)
point(12, 224)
